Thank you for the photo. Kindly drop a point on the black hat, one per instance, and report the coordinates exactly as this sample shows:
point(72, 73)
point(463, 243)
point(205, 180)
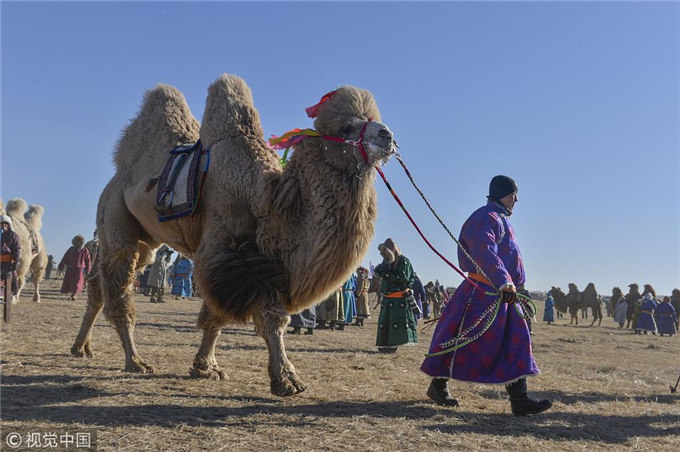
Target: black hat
point(500, 187)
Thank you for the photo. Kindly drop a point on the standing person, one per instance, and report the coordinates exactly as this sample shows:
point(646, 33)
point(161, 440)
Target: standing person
point(645, 320)
point(363, 283)
point(93, 247)
point(675, 300)
point(77, 263)
point(430, 299)
point(502, 353)
point(621, 311)
point(330, 310)
point(396, 323)
point(49, 267)
point(182, 272)
point(10, 251)
point(666, 318)
point(305, 319)
point(349, 303)
point(419, 294)
point(549, 312)
point(158, 274)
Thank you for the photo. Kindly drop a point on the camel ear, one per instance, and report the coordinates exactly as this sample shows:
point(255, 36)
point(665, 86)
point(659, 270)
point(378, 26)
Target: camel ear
point(286, 198)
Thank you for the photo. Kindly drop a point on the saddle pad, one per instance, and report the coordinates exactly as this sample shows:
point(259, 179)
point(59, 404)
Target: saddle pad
point(178, 183)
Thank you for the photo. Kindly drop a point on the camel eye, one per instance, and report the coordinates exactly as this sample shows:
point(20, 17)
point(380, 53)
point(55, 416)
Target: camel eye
point(346, 129)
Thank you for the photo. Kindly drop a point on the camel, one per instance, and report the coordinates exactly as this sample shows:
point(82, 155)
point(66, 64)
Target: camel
point(26, 223)
point(632, 298)
point(560, 300)
point(266, 241)
point(574, 301)
point(591, 299)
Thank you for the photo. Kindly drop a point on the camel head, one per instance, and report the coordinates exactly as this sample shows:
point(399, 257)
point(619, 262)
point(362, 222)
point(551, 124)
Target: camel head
point(633, 288)
point(616, 292)
point(351, 114)
point(573, 288)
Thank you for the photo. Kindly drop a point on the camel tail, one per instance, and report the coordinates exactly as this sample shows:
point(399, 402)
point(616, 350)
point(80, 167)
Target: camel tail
point(163, 122)
point(239, 283)
point(229, 111)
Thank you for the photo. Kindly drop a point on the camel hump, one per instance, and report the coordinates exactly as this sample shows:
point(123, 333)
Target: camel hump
point(16, 207)
point(34, 216)
point(164, 120)
point(229, 111)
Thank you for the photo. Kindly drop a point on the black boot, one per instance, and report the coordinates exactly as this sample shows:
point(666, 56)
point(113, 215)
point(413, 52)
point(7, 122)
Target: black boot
point(321, 325)
point(439, 392)
point(520, 402)
point(332, 325)
point(340, 326)
point(309, 331)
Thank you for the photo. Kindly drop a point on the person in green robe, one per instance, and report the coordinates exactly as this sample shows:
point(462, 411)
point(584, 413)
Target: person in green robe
point(396, 323)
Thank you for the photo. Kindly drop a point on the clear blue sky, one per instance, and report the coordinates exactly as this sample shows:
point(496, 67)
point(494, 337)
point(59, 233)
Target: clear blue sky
point(578, 101)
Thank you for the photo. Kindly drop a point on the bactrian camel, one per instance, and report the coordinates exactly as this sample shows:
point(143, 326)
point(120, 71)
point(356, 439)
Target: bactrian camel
point(265, 241)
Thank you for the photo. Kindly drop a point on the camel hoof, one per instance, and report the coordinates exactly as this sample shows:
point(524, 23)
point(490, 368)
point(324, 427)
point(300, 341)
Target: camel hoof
point(287, 387)
point(214, 373)
point(139, 366)
point(77, 351)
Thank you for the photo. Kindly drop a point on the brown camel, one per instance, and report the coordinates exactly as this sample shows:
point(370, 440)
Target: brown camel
point(265, 241)
point(574, 301)
point(26, 223)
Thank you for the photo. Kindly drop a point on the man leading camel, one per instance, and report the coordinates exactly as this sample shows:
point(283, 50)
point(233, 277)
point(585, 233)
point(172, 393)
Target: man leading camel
point(501, 353)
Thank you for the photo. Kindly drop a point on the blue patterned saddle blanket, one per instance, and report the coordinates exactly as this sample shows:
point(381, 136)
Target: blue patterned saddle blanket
point(179, 185)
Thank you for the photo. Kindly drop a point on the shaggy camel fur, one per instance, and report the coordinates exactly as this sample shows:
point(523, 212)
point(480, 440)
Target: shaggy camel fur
point(265, 241)
point(27, 222)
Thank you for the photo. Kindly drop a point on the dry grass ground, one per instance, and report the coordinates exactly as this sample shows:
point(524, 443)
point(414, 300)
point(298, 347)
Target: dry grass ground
point(610, 387)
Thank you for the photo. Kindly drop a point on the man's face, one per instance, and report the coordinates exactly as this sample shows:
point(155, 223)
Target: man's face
point(510, 200)
point(4, 226)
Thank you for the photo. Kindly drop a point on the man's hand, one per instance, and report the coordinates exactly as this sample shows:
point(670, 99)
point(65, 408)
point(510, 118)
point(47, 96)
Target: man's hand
point(508, 294)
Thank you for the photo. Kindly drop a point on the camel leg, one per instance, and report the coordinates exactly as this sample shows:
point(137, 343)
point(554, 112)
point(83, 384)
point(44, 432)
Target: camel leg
point(205, 364)
point(38, 275)
point(120, 266)
point(270, 325)
point(83, 345)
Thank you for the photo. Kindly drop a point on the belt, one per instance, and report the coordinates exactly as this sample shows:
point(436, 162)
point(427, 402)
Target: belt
point(6, 258)
point(399, 294)
point(647, 312)
point(480, 278)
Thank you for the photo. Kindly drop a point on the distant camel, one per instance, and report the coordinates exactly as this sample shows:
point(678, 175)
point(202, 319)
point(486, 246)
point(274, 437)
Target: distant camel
point(575, 301)
point(26, 223)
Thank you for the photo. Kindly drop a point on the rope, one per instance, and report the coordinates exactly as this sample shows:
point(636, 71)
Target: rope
point(415, 225)
point(462, 248)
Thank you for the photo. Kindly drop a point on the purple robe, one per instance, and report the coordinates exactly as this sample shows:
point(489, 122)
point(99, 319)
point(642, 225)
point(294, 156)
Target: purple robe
point(645, 321)
point(10, 249)
point(666, 318)
point(503, 353)
point(77, 263)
